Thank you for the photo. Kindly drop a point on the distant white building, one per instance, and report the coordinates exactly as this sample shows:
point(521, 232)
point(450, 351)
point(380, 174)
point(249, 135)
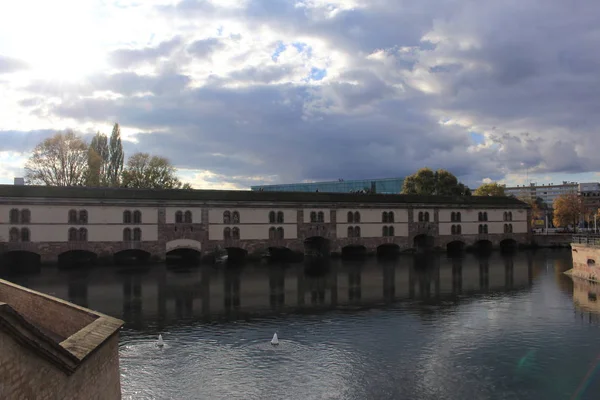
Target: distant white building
point(548, 193)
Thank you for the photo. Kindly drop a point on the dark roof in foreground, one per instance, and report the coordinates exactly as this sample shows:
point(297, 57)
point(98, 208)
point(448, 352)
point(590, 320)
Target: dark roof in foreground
point(76, 192)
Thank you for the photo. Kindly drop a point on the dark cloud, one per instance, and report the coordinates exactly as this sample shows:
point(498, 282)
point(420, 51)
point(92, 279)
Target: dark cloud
point(126, 58)
point(524, 73)
point(9, 65)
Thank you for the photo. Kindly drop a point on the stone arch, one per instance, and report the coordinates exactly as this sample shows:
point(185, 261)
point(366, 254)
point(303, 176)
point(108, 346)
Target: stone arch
point(388, 249)
point(131, 256)
point(183, 251)
point(236, 254)
point(423, 242)
point(455, 246)
point(21, 260)
point(508, 245)
point(483, 246)
point(77, 258)
point(354, 251)
point(183, 244)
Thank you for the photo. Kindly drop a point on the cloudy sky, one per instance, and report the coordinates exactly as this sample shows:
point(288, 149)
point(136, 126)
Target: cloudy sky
point(244, 92)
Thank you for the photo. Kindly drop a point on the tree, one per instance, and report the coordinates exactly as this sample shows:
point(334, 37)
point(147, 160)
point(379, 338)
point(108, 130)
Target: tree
point(490, 189)
point(61, 160)
point(98, 161)
point(567, 210)
point(538, 207)
point(144, 171)
point(116, 158)
point(428, 182)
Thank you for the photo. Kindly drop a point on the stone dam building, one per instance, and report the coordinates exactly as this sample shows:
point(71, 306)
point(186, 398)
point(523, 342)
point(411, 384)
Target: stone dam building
point(51, 223)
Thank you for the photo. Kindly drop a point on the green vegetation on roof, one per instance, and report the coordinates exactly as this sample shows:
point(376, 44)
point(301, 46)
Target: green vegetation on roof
point(55, 192)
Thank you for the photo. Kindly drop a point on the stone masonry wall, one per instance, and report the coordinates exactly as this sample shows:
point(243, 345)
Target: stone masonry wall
point(24, 375)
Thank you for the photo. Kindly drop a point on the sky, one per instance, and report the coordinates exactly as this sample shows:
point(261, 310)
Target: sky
point(245, 92)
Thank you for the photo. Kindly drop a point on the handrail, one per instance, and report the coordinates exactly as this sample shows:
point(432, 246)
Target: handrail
point(591, 239)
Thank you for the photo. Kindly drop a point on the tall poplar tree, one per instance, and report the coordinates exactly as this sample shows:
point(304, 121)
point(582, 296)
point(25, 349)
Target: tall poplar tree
point(98, 161)
point(115, 158)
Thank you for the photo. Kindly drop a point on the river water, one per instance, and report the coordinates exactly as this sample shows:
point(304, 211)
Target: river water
point(499, 327)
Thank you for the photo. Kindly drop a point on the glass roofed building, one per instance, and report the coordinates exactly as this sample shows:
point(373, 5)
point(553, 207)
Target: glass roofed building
point(381, 186)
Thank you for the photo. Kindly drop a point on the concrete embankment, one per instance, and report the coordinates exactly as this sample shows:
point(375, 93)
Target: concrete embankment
point(552, 241)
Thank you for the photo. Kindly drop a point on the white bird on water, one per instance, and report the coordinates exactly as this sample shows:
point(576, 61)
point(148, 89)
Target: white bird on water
point(275, 341)
point(160, 341)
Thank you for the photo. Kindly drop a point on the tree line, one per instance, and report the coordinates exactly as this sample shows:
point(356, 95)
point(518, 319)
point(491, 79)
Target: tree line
point(566, 209)
point(66, 159)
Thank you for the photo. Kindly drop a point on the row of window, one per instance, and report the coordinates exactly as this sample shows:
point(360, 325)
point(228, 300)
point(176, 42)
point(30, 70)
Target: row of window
point(276, 217)
point(423, 216)
point(482, 216)
point(317, 217)
point(229, 233)
point(80, 217)
point(388, 231)
point(455, 216)
point(132, 217)
point(182, 217)
point(354, 231)
point(507, 216)
point(276, 233)
point(19, 216)
point(353, 218)
point(456, 229)
point(508, 228)
point(231, 218)
point(19, 235)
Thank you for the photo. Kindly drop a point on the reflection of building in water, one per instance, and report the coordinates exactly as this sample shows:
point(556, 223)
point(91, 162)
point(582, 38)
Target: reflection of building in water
point(586, 297)
point(163, 295)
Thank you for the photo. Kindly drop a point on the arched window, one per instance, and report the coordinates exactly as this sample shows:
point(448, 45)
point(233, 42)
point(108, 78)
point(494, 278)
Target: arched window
point(510, 215)
point(313, 216)
point(14, 235)
point(280, 233)
point(227, 233)
point(357, 231)
point(350, 232)
point(480, 228)
point(226, 217)
point(72, 235)
point(458, 217)
point(235, 232)
point(350, 217)
point(236, 217)
point(485, 228)
point(480, 216)
point(137, 217)
point(510, 228)
point(83, 216)
point(391, 231)
point(321, 216)
point(25, 237)
point(356, 217)
point(505, 216)
point(458, 230)
point(280, 217)
point(391, 217)
point(25, 216)
point(420, 216)
point(127, 235)
point(72, 216)
point(384, 218)
point(126, 217)
point(452, 216)
point(505, 226)
point(485, 218)
point(272, 217)
point(426, 216)
point(178, 217)
point(14, 216)
point(83, 234)
point(187, 217)
point(453, 229)
point(137, 235)
point(384, 230)
point(271, 233)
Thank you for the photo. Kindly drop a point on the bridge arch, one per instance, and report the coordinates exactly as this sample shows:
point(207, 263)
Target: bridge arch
point(508, 245)
point(21, 260)
point(354, 251)
point(131, 256)
point(423, 242)
point(236, 255)
point(316, 246)
point(183, 251)
point(183, 244)
point(456, 246)
point(77, 258)
point(388, 250)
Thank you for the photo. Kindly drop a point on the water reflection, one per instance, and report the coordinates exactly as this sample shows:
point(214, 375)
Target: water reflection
point(160, 296)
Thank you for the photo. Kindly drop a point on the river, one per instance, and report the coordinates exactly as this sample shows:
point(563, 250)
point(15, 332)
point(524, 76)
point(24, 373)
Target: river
point(497, 327)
